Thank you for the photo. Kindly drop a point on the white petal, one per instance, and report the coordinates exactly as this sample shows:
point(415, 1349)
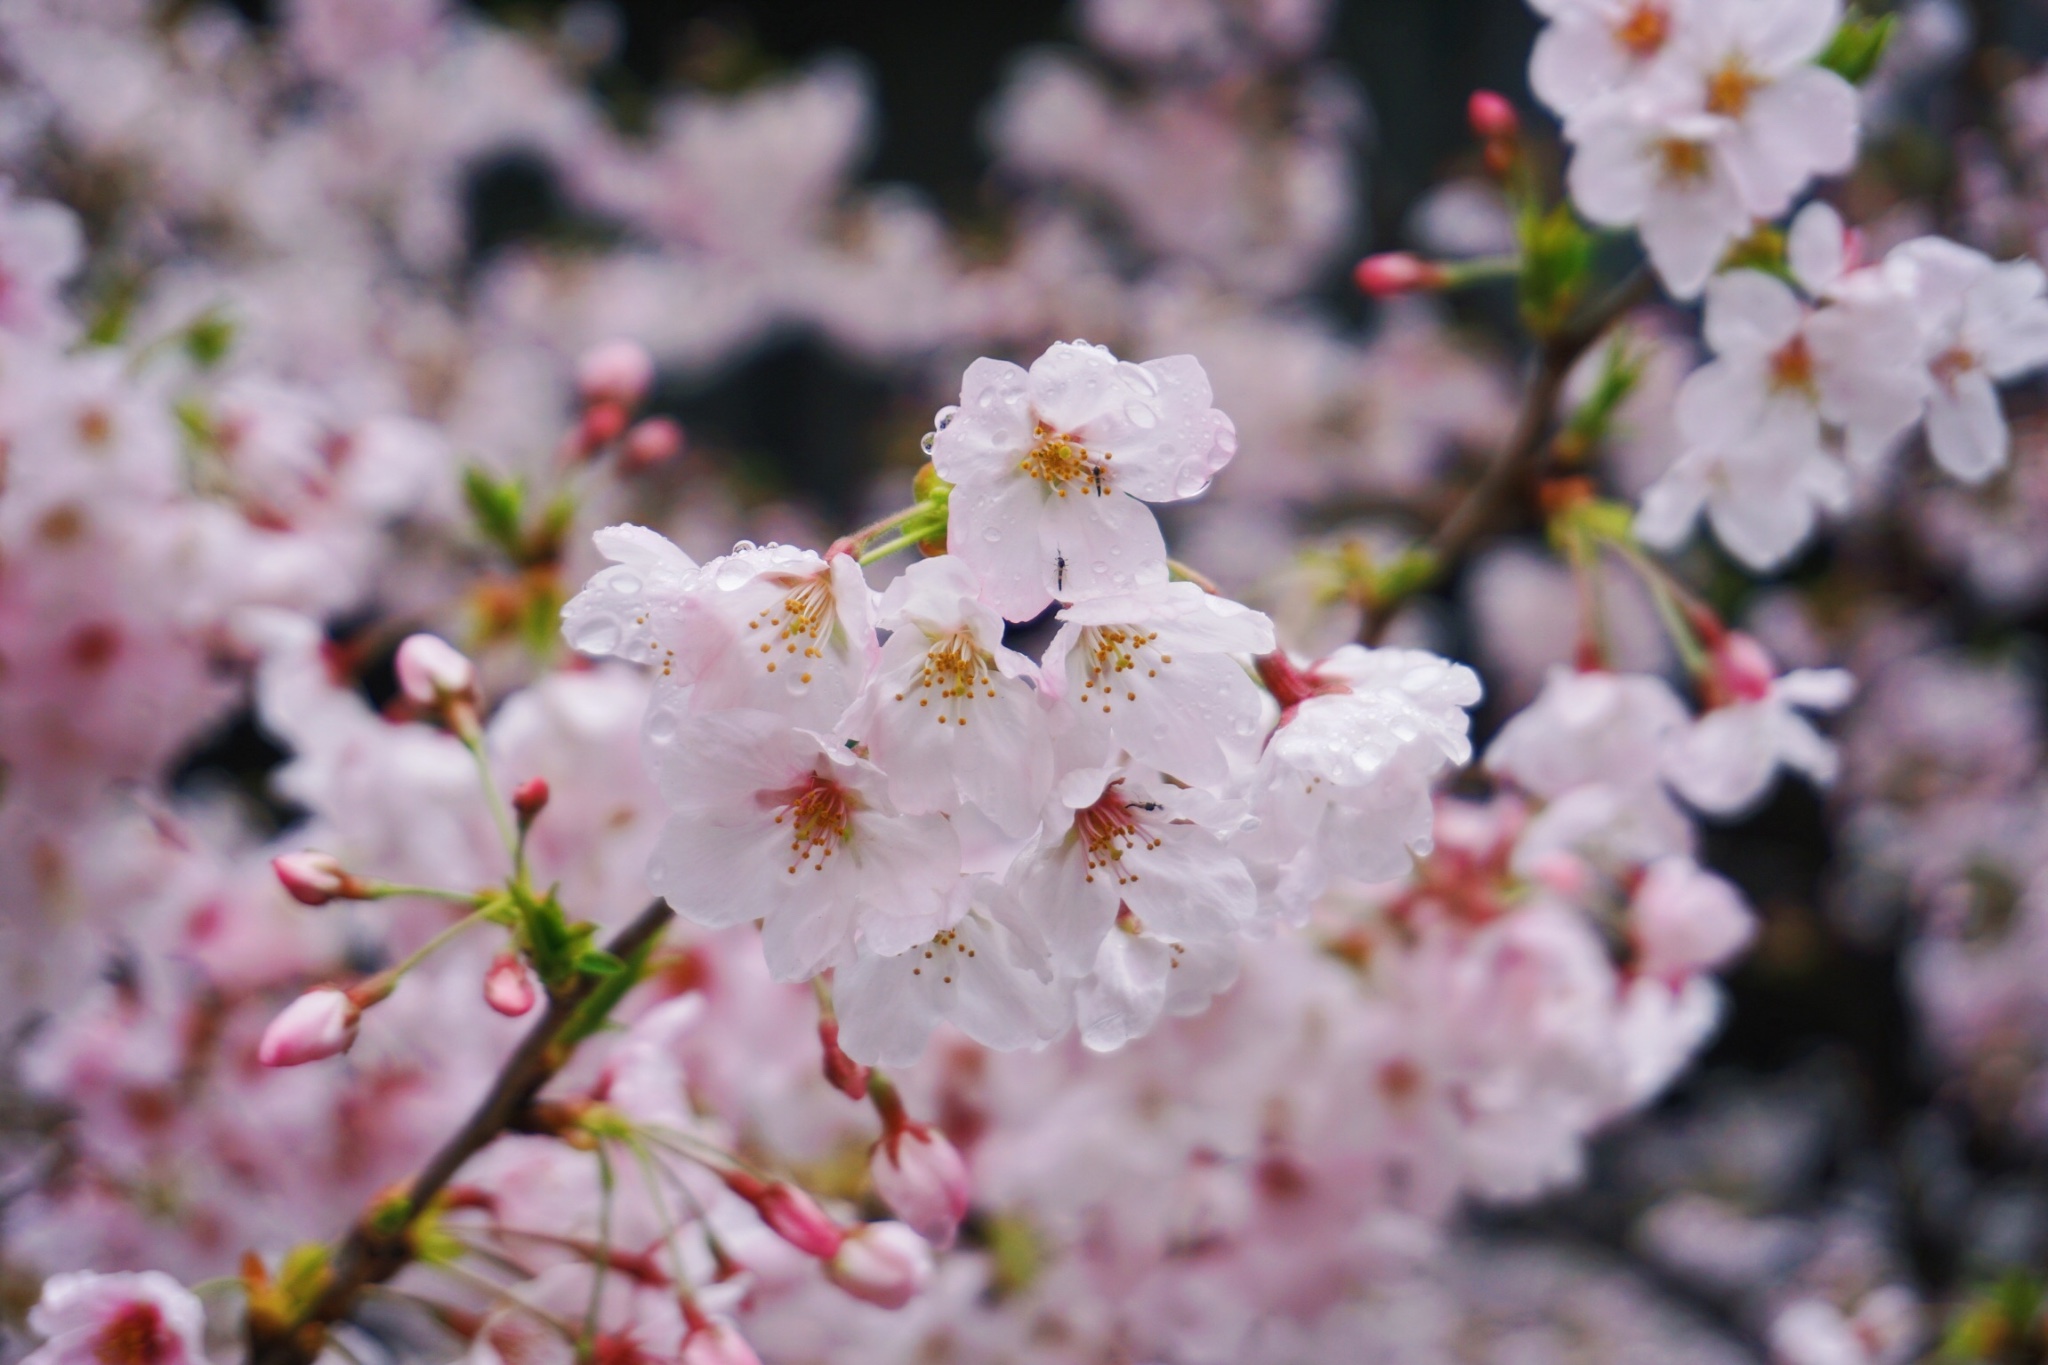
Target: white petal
point(1966, 429)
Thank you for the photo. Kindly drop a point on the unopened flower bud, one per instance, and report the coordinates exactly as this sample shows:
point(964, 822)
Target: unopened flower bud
point(1565, 873)
point(432, 672)
point(1398, 272)
point(790, 1213)
point(618, 372)
point(921, 1177)
point(1742, 671)
point(1491, 116)
point(716, 1343)
point(654, 441)
point(599, 426)
point(507, 987)
point(529, 800)
point(885, 1264)
point(842, 1073)
point(318, 1024)
point(315, 878)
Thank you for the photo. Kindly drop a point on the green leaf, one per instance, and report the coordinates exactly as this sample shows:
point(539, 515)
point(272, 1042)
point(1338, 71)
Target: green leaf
point(303, 1277)
point(498, 506)
point(1858, 46)
point(1557, 258)
point(598, 962)
point(208, 340)
point(597, 1008)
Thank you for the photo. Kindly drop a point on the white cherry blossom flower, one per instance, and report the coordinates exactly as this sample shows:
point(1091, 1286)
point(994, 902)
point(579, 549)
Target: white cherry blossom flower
point(1751, 62)
point(767, 627)
point(1052, 467)
point(133, 1319)
point(1141, 976)
point(1591, 745)
point(1152, 672)
point(1592, 50)
point(1113, 839)
point(952, 716)
point(1724, 762)
point(1763, 492)
point(1343, 788)
point(1683, 919)
point(1984, 323)
point(976, 973)
point(779, 824)
point(1663, 170)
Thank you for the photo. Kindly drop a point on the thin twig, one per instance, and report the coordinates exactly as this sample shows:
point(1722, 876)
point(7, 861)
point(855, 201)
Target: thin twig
point(1476, 512)
point(372, 1255)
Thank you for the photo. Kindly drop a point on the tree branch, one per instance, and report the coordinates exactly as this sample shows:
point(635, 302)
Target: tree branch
point(1476, 512)
point(372, 1255)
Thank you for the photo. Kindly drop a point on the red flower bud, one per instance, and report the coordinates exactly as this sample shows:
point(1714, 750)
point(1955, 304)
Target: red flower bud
point(1398, 272)
point(790, 1213)
point(842, 1073)
point(920, 1176)
point(1492, 117)
point(507, 987)
point(654, 441)
point(530, 800)
point(315, 878)
point(885, 1264)
point(318, 1024)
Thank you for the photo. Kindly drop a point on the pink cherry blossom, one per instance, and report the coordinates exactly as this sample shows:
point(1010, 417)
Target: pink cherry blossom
point(132, 1319)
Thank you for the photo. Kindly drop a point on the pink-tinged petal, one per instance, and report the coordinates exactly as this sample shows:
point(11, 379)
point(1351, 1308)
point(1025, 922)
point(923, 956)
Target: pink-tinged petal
point(992, 429)
point(719, 873)
point(1577, 61)
point(1817, 248)
point(1805, 750)
point(1751, 314)
point(2008, 319)
point(1688, 233)
point(1721, 403)
point(1724, 763)
point(1966, 429)
point(1071, 908)
point(1123, 997)
point(1190, 889)
point(995, 529)
point(1817, 689)
point(1670, 509)
point(1786, 34)
point(1796, 128)
point(1074, 384)
point(1157, 433)
point(1612, 175)
point(1759, 523)
point(1092, 545)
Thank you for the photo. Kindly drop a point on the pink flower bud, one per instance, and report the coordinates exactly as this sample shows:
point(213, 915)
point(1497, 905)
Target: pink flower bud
point(716, 1343)
point(314, 878)
point(507, 987)
point(600, 426)
point(790, 1213)
point(1565, 873)
point(431, 671)
point(1397, 272)
point(885, 1264)
point(920, 1176)
point(654, 441)
point(318, 1024)
point(1491, 116)
point(530, 800)
point(618, 372)
point(1742, 670)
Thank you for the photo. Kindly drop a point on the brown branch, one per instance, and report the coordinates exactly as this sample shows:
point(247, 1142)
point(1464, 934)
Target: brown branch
point(372, 1255)
point(1511, 471)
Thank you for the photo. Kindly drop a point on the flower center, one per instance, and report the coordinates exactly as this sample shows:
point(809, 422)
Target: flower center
point(1792, 369)
point(800, 621)
point(1953, 364)
point(1644, 31)
point(1108, 830)
point(1682, 159)
point(819, 815)
point(1060, 462)
point(1107, 653)
point(1730, 89)
point(133, 1336)
point(944, 953)
point(955, 668)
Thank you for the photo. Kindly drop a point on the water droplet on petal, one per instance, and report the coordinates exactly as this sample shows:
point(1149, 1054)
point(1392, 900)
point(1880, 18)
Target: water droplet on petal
point(594, 634)
point(1141, 416)
point(945, 417)
point(931, 438)
point(661, 728)
point(1139, 378)
point(624, 584)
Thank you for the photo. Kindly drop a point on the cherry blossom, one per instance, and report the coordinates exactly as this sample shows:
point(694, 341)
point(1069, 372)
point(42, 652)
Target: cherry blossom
point(1724, 762)
point(952, 716)
point(1052, 467)
point(1155, 672)
point(1684, 920)
point(779, 824)
point(134, 1319)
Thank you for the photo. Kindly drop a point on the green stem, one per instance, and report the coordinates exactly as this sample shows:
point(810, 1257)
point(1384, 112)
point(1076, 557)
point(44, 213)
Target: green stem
point(379, 891)
point(587, 1347)
point(501, 814)
point(434, 945)
point(889, 547)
